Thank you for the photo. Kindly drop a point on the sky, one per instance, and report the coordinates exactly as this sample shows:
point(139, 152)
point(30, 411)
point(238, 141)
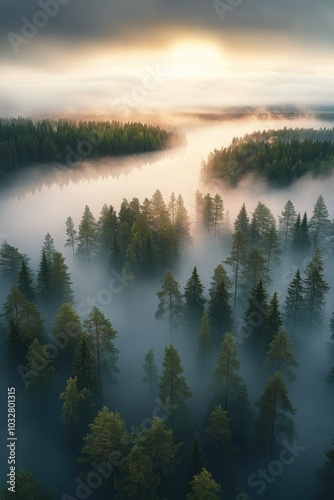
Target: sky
point(102, 56)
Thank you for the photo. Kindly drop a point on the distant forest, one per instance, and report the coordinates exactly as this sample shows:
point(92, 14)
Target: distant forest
point(279, 157)
point(24, 142)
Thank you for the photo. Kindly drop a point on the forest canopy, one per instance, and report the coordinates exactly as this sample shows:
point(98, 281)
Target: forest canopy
point(278, 157)
point(24, 142)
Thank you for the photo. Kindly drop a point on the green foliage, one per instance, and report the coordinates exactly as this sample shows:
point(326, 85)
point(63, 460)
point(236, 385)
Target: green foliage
point(25, 282)
point(278, 156)
point(220, 312)
point(23, 141)
point(315, 290)
point(41, 374)
point(87, 241)
point(26, 488)
point(280, 355)
point(226, 374)
point(194, 300)
point(220, 436)
point(107, 439)
point(84, 366)
point(294, 304)
point(273, 419)
point(10, 262)
point(327, 470)
point(203, 487)
point(195, 461)
point(170, 301)
point(150, 373)
point(102, 334)
point(204, 350)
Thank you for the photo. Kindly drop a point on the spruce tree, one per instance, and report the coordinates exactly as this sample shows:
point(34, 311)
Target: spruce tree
point(220, 437)
point(287, 220)
point(294, 304)
point(242, 224)
point(280, 356)
point(237, 260)
point(71, 234)
point(173, 388)
point(84, 367)
point(204, 342)
point(273, 321)
point(66, 332)
point(87, 235)
point(102, 335)
point(10, 263)
point(255, 327)
point(203, 487)
point(150, 373)
point(273, 420)
point(60, 281)
point(41, 374)
point(182, 221)
point(44, 287)
point(315, 290)
point(320, 224)
point(196, 460)
point(25, 282)
point(220, 311)
point(193, 301)
point(226, 374)
point(254, 270)
point(170, 301)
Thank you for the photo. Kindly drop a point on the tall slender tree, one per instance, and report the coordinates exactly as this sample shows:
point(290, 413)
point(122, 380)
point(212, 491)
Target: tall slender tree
point(315, 290)
point(150, 373)
point(294, 304)
point(71, 234)
point(194, 301)
point(280, 356)
point(226, 374)
point(204, 342)
point(87, 232)
point(170, 301)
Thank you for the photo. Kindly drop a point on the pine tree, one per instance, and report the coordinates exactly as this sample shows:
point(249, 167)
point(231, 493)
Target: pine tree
point(204, 341)
point(225, 376)
point(255, 316)
point(44, 279)
point(107, 439)
point(203, 487)
point(254, 270)
point(287, 221)
point(315, 290)
point(208, 213)
point(261, 223)
point(271, 247)
point(273, 419)
point(106, 228)
point(137, 480)
point(301, 239)
point(220, 436)
point(48, 247)
point(150, 373)
point(76, 404)
point(242, 224)
point(320, 224)
point(172, 208)
point(41, 374)
point(26, 488)
point(218, 214)
point(236, 260)
point(294, 304)
point(10, 263)
point(280, 356)
point(182, 222)
point(158, 443)
point(194, 300)
point(102, 335)
point(60, 281)
point(84, 367)
point(170, 301)
point(199, 205)
point(173, 388)
point(220, 312)
point(87, 233)
point(273, 320)
point(71, 234)
point(195, 461)
point(66, 332)
point(24, 283)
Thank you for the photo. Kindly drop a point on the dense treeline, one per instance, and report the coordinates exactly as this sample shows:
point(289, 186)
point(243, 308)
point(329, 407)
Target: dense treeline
point(68, 362)
point(279, 157)
point(24, 142)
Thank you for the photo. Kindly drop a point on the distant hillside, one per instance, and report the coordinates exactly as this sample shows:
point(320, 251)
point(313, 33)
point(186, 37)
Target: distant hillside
point(277, 156)
point(24, 142)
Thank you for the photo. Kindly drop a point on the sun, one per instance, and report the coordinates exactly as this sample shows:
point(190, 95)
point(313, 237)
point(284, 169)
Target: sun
point(196, 59)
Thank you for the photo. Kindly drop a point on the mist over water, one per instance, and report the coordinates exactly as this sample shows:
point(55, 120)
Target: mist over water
point(27, 213)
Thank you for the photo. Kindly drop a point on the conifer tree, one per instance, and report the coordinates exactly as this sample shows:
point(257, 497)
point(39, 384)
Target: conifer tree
point(204, 341)
point(182, 221)
point(150, 373)
point(41, 374)
point(84, 367)
point(242, 224)
point(273, 419)
point(194, 300)
point(294, 304)
point(107, 439)
point(173, 388)
point(280, 356)
point(102, 335)
point(287, 220)
point(255, 316)
point(10, 263)
point(204, 487)
point(60, 280)
point(237, 260)
point(273, 320)
point(254, 270)
point(76, 405)
point(220, 437)
point(170, 301)
point(44, 279)
point(71, 234)
point(87, 235)
point(327, 470)
point(106, 228)
point(25, 282)
point(66, 332)
point(195, 461)
point(315, 290)
point(225, 376)
point(220, 312)
point(320, 224)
